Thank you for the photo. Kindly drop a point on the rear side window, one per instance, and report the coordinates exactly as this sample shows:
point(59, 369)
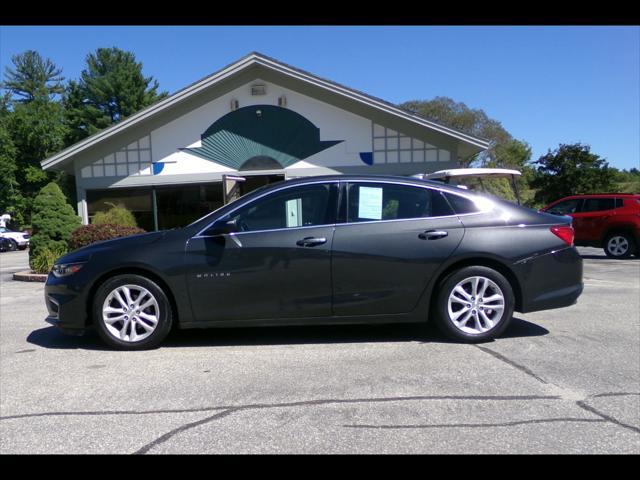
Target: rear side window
point(598, 204)
point(385, 201)
point(565, 207)
point(461, 204)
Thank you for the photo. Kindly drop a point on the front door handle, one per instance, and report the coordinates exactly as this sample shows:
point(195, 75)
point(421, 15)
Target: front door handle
point(433, 235)
point(311, 241)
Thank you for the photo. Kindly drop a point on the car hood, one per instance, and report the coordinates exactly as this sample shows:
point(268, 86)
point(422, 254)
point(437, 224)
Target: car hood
point(84, 254)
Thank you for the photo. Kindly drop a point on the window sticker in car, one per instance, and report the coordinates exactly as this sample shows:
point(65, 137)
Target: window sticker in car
point(370, 203)
point(294, 212)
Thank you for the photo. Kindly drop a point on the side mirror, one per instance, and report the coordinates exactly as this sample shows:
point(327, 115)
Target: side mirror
point(223, 227)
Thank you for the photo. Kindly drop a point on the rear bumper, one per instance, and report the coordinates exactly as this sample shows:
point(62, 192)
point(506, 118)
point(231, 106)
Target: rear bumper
point(551, 280)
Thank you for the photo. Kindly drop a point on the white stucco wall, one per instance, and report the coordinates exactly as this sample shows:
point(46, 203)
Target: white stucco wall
point(355, 132)
point(334, 124)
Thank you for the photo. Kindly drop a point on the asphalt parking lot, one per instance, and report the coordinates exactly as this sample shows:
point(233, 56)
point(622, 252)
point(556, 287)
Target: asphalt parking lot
point(562, 381)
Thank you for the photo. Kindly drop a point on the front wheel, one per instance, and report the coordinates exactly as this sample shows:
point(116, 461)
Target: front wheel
point(619, 245)
point(131, 312)
point(13, 245)
point(474, 304)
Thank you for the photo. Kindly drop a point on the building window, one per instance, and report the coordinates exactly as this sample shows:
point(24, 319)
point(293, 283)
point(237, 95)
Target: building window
point(134, 159)
point(179, 206)
point(390, 146)
point(136, 200)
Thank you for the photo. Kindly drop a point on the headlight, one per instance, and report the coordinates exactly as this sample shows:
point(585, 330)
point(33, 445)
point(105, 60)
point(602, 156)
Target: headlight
point(66, 269)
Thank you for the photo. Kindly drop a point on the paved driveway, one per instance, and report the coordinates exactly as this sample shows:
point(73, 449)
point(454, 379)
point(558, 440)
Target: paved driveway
point(564, 381)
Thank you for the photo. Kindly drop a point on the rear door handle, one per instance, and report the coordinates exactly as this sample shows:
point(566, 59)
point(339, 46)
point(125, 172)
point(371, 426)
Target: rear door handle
point(311, 241)
point(433, 235)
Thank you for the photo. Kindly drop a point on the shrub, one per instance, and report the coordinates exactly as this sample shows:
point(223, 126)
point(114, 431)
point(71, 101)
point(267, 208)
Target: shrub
point(53, 220)
point(45, 258)
point(88, 234)
point(116, 215)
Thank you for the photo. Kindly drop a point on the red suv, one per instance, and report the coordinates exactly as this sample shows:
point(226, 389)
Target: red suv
point(610, 221)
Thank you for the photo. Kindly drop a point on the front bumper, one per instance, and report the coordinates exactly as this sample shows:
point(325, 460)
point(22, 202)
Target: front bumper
point(66, 305)
point(551, 280)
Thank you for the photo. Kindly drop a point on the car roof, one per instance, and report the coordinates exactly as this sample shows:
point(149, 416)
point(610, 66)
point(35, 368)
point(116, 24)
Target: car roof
point(381, 178)
point(598, 195)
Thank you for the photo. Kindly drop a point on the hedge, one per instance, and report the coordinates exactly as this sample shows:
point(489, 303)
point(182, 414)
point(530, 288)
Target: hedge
point(88, 234)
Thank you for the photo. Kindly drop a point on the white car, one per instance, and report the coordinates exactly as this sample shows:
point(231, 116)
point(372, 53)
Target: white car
point(19, 240)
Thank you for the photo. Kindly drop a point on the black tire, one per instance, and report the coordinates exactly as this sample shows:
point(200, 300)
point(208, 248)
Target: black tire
point(13, 245)
point(441, 306)
point(23, 247)
point(616, 249)
point(164, 316)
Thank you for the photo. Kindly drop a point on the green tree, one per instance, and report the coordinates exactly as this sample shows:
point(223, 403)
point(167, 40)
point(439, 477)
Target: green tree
point(110, 89)
point(38, 131)
point(503, 151)
point(33, 76)
point(33, 127)
point(627, 181)
point(53, 221)
point(11, 199)
point(571, 169)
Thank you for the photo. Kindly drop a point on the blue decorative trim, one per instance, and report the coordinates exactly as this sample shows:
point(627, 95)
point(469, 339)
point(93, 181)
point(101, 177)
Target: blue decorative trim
point(157, 167)
point(367, 157)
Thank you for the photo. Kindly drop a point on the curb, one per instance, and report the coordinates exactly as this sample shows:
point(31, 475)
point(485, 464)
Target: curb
point(28, 276)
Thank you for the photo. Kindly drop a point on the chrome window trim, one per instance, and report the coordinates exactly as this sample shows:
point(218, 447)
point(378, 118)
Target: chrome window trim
point(283, 187)
point(395, 182)
point(288, 229)
point(428, 187)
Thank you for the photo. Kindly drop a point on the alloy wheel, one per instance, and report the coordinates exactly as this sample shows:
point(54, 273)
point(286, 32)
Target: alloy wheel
point(130, 313)
point(618, 245)
point(476, 305)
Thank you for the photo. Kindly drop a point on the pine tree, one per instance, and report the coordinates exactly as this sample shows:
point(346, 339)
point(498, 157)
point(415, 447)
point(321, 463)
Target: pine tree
point(110, 89)
point(11, 199)
point(32, 129)
point(33, 76)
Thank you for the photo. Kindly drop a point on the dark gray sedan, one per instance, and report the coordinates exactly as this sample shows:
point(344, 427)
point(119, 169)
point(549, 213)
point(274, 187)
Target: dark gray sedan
point(325, 250)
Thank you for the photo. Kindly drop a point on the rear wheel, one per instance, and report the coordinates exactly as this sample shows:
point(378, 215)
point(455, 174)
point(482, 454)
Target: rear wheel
point(13, 245)
point(474, 304)
point(131, 312)
point(619, 245)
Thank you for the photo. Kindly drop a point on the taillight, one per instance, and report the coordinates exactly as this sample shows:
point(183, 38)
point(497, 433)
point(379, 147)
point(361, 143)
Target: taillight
point(565, 232)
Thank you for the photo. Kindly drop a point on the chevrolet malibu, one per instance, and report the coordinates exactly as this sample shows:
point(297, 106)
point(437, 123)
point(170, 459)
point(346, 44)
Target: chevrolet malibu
point(325, 250)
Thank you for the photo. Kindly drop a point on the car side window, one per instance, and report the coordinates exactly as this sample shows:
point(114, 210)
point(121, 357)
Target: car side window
point(302, 206)
point(368, 202)
point(462, 205)
point(598, 204)
point(565, 207)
